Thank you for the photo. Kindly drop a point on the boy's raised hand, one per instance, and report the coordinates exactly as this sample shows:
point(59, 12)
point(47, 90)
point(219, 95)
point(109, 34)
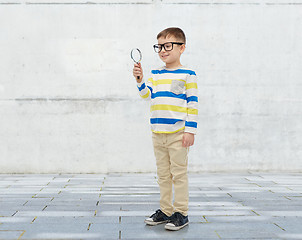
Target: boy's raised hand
point(138, 72)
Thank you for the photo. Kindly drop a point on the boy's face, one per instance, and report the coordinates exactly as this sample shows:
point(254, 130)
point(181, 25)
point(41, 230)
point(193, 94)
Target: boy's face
point(173, 56)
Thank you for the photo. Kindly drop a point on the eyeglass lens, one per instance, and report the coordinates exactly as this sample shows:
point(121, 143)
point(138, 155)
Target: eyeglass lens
point(166, 46)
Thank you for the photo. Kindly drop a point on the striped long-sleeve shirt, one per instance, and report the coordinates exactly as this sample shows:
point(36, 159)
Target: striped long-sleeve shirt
point(174, 100)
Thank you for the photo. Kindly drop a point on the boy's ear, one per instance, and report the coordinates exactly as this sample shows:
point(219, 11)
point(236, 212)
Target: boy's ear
point(182, 48)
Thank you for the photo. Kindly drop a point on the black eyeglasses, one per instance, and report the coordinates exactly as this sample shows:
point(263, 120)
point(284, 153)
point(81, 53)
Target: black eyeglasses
point(168, 46)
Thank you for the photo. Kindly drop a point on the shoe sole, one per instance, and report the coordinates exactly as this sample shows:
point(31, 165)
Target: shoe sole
point(154, 223)
point(173, 228)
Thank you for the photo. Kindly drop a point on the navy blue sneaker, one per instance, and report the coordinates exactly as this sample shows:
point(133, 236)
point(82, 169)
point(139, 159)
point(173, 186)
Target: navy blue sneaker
point(157, 218)
point(177, 222)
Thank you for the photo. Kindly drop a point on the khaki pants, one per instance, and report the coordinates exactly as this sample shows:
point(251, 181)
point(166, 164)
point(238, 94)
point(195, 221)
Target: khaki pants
point(172, 162)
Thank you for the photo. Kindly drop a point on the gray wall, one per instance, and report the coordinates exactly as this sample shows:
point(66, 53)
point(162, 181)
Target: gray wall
point(69, 103)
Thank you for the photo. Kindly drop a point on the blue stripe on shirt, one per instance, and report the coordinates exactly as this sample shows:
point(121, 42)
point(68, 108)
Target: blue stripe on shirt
point(164, 120)
point(192, 99)
point(191, 124)
point(190, 72)
point(150, 88)
point(168, 94)
point(141, 87)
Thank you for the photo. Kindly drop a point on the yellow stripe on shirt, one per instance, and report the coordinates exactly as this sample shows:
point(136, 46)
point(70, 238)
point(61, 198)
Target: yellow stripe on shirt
point(169, 132)
point(192, 111)
point(146, 95)
point(174, 109)
point(163, 81)
point(191, 85)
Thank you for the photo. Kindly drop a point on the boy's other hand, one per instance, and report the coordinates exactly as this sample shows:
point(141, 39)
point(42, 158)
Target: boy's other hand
point(138, 71)
point(187, 139)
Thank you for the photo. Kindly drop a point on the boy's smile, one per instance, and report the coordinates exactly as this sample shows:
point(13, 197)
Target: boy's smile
point(171, 58)
point(164, 55)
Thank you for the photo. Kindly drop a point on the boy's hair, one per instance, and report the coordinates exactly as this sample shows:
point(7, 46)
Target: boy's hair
point(173, 31)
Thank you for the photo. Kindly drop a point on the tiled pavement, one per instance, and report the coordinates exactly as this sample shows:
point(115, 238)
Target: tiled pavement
point(249, 205)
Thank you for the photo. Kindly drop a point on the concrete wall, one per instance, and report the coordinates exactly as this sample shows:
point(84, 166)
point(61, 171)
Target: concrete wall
point(69, 103)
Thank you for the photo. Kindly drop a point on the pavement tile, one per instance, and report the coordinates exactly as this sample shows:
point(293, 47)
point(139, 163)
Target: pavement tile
point(60, 232)
point(294, 213)
point(54, 213)
point(193, 231)
point(72, 202)
point(14, 219)
point(132, 220)
point(11, 234)
point(83, 208)
point(230, 219)
point(16, 225)
point(7, 213)
point(106, 229)
point(244, 234)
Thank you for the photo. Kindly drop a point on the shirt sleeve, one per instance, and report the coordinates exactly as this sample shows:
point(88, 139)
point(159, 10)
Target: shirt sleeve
point(145, 89)
point(192, 104)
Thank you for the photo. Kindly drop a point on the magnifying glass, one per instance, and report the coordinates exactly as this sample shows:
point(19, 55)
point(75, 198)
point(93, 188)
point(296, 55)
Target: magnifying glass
point(136, 56)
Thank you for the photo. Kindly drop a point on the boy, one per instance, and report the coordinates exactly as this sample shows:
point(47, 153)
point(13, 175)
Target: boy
point(173, 93)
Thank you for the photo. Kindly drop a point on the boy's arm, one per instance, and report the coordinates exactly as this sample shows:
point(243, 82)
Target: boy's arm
point(144, 90)
point(192, 105)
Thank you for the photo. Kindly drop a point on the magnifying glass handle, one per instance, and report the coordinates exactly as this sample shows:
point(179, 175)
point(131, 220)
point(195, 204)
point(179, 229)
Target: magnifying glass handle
point(138, 77)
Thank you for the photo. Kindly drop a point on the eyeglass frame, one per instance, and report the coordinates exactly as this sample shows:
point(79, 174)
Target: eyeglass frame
point(163, 46)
